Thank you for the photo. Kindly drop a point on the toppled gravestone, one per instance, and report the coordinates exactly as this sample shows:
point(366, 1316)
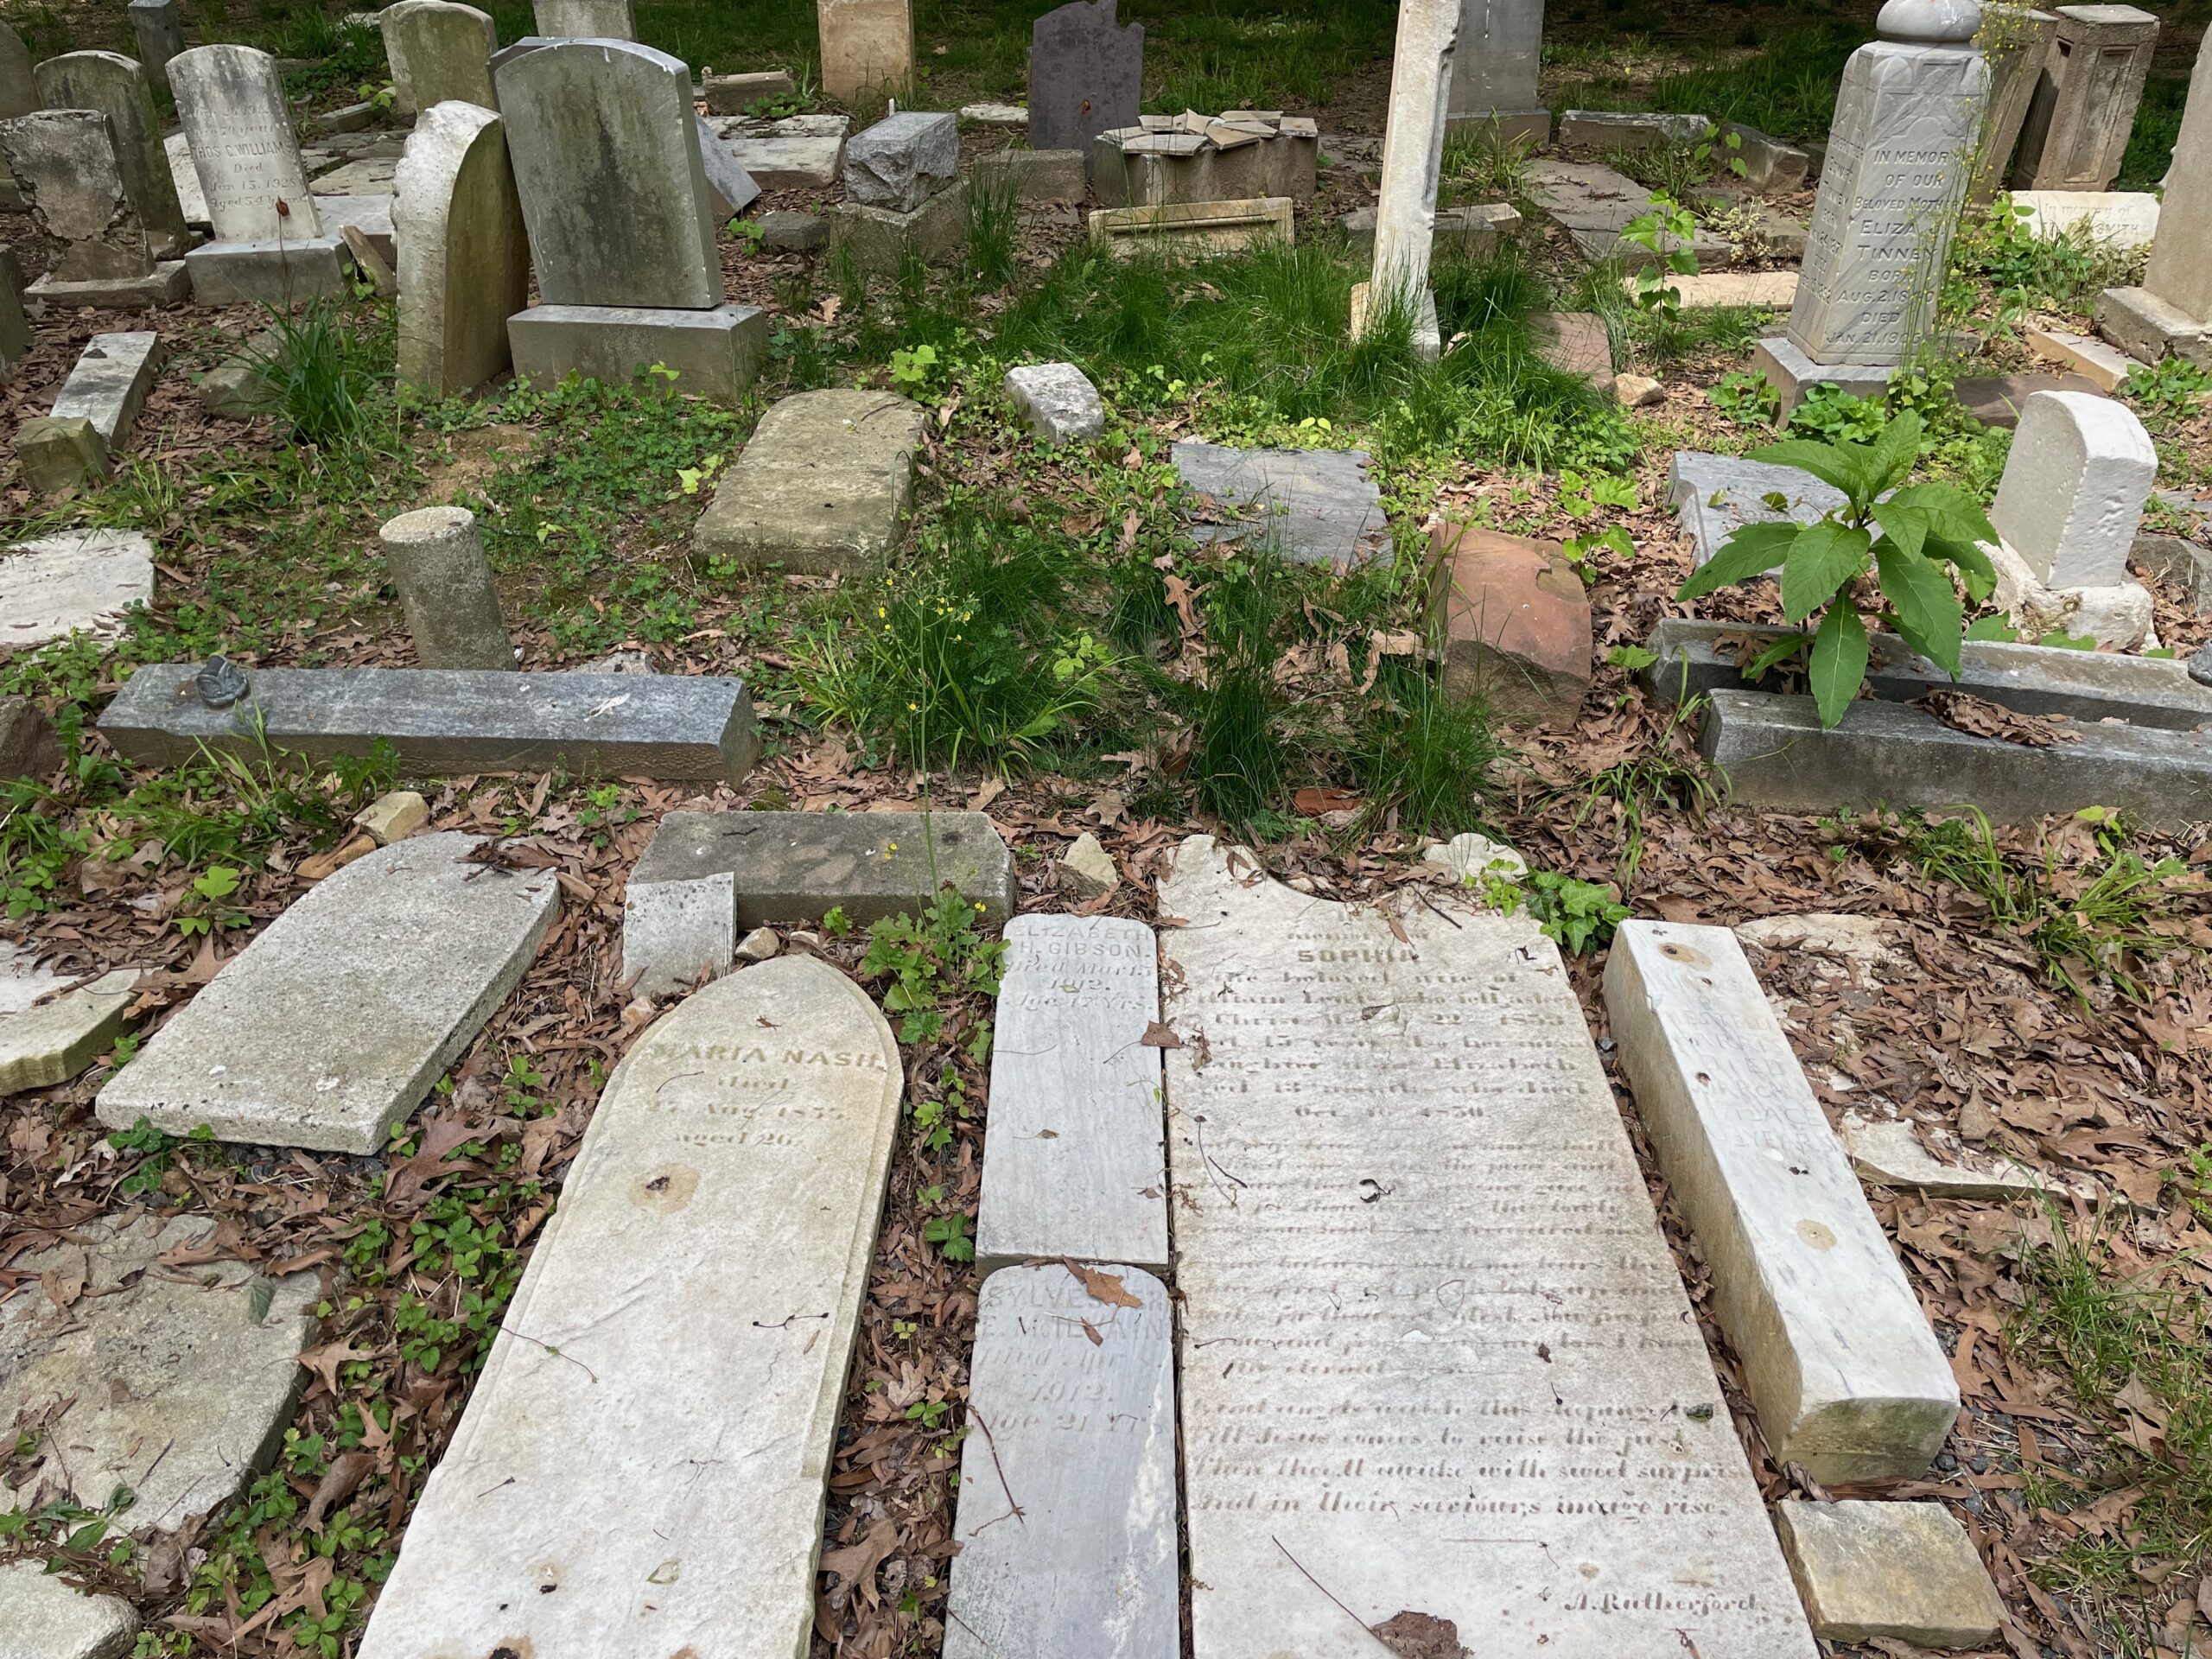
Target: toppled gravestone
point(163, 1370)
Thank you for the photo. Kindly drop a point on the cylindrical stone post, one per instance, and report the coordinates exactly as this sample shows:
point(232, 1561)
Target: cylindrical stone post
point(445, 585)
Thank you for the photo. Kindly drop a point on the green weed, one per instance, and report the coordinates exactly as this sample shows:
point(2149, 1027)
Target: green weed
point(1423, 753)
point(930, 959)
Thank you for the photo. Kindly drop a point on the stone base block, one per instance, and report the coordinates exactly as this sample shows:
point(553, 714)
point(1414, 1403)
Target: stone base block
point(715, 353)
point(1791, 373)
point(880, 238)
point(1427, 335)
point(168, 285)
point(2145, 326)
point(269, 273)
point(58, 453)
point(1531, 127)
point(1035, 174)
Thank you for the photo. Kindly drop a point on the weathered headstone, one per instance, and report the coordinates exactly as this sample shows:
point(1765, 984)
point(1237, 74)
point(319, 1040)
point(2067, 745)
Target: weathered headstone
point(1515, 622)
point(1606, 131)
point(825, 483)
point(2083, 108)
point(2015, 40)
point(688, 1315)
point(1594, 203)
point(2172, 309)
point(44, 1043)
point(1071, 1419)
point(1902, 145)
point(269, 246)
point(621, 213)
point(179, 1383)
point(1440, 1375)
point(51, 1619)
point(1086, 74)
point(2121, 220)
point(1413, 166)
point(464, 254)
point(93, 413)
point(1072, 1161)
point(446, 589)
point(395, 964)
point(597, 20)
point(797, 152)
point(1715, 496)
point(1907, 1571)
point(1494, 70)
point(707, 876)
point(2072, 495)
point(121, 90)
point(77, 581)
point(1839, 1359)
point(158, 26)
point(1057, 402)
point(736, 94)
point(18, 86)
point(65, 161)
point(443, 721)
point(1311, 506)
point(438, 51)
point(1196, 230)
point(867, 48)
point(903, 159)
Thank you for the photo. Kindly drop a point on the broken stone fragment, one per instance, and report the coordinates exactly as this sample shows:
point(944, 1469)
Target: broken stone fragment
point(1087, 869)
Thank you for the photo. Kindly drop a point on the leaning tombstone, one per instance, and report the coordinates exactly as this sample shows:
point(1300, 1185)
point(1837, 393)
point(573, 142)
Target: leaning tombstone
point(2014, 40)
point(2083, 108)
point(121, 90)
point(159, 26)
point(18, 86)
point(464, 256)
point(1494, 70)
point(67, 162)
point(2171, 311)
point(445, 589)
point(439, 50)
point(93, 412)
point(1086, 75)
point(614, 192)
point(1906, 122)
point(689, 1318)
point(269, 246)
point(585, 20)
point(867, 48)
point(1413, 164)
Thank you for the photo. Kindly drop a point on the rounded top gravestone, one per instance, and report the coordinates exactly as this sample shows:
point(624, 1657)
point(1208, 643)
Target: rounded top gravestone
point(439, 50)
point(230, 99)
point(614, 186)
point(1929, 21)
point(119, 89)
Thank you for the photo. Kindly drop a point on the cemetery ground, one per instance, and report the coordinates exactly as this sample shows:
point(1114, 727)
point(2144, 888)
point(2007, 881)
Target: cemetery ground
point(1048, 645)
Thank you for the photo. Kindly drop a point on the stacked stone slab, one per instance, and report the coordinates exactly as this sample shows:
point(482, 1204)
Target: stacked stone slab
point(1494, 70)
point(1899, 152)
point(615, 194)
point(2172, 312)
point(1086, 75)
point(676, 1354)
point(67, 164)
point(1236, 157)
point(903, 192)
point(93, 413)
point(270, 246)
point(464, 254)
point(867, 48)
point(2084, 104)
point(1413, 166)
point(121, 90)
point(439, 50)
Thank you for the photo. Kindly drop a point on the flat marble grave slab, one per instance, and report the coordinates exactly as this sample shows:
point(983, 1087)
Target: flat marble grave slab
point(1072, 1157)
point(78, 581)
point(1071, 1414)
point(687, 1318)
point(1715, 496)
point(1312, 506)
point(335, 1021)
point(1437, 1365)
point(446, 721)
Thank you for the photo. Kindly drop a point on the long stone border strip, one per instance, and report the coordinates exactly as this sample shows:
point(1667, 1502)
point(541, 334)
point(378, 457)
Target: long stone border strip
point(1846, 1377)
point(1776, 756)
point(336, 1020)
point(2084, 686)
point(1071, 1415)
point(444, 722)
point(642, 1466)
point(1072, 1155)
point(1439, 1373)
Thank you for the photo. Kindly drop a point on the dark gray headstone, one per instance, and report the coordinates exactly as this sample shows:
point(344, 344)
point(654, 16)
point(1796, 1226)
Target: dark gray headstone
point(445, 721)
point(1086, 74)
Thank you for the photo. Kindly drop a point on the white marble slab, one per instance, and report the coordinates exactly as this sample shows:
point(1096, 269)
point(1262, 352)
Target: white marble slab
point(1436, 1361)
point(641, 1467)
